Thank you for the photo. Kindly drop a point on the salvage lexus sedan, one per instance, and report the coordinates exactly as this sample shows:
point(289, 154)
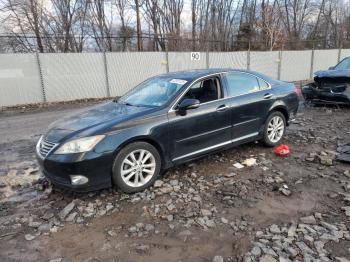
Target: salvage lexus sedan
point(164, 121)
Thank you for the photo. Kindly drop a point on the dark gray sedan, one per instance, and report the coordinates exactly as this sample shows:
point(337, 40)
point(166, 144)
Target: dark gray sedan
point(165, 121)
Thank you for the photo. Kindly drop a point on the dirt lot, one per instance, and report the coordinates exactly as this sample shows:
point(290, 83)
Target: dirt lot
point(279, 209)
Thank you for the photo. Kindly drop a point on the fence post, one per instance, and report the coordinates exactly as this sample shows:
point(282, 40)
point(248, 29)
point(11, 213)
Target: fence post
point(279, 64)
point(339, 52)
point(207, 58)
point(248, 57)
point(312, 60)
point(108, 92)
point(41, 77)
point(167, 60)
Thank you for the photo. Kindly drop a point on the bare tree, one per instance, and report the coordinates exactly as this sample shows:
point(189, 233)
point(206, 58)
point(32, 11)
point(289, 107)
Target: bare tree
point(270, 24)
point(78, 25)
point(125, 31)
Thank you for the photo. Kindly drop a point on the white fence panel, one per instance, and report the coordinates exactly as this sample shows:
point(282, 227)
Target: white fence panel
point(265, 62)
point(344, 53)
point(237, 60)
point(19, 79)
point(69, 76)
point(179, 61)
point(324, 59)
point(73, 76)
point(126, 70)
point(296, 65)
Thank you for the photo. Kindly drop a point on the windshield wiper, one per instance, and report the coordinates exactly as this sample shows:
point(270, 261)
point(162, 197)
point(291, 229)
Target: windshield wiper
point(126, 103)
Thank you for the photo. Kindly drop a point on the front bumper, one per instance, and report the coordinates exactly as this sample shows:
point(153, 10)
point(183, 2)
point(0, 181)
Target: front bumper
point(317, 96)
point(96, 167)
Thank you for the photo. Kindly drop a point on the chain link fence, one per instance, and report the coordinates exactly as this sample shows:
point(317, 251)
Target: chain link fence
point(51, 77)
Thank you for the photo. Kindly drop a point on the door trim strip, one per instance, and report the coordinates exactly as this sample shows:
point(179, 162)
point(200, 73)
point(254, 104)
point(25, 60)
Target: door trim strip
point(203, 134)
point(217, 145)
point(245, 122)
point(244, 137)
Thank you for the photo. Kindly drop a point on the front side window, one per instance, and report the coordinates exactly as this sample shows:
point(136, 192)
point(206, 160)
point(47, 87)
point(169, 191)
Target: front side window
point(205, 91)
point(241, 83)
point(153, 92)
point(343, 65)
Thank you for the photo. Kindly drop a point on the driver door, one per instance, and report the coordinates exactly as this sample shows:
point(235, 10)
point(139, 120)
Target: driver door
point(202, 129)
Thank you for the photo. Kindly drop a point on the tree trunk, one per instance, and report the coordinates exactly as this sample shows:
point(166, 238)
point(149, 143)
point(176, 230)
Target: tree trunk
point(138, 26)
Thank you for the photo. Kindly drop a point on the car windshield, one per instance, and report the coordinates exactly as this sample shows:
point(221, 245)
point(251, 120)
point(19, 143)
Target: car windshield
point(343, 65)
point(153, 92)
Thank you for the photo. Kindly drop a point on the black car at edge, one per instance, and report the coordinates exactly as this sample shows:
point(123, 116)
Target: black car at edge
point(164, 121)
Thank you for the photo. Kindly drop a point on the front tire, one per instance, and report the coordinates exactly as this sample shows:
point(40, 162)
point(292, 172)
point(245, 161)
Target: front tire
point(275, 127)
point(136, 167)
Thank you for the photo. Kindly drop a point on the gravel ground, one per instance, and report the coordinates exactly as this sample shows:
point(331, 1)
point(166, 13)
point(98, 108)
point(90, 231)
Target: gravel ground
point(295, 208)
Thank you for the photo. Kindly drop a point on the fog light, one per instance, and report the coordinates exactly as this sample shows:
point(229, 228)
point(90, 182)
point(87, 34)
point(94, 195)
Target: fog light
point(78, 179)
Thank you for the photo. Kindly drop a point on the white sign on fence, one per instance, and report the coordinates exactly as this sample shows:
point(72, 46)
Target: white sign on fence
point(195, 56)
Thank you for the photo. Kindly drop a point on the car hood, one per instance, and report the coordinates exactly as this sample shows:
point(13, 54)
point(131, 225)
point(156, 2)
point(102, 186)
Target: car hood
point(113, 112)
point(332, 73)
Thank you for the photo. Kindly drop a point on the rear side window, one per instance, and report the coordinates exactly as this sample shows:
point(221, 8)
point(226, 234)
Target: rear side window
point(241, 83)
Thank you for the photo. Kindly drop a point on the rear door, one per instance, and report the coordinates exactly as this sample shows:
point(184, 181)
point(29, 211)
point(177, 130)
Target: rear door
point(251, 99)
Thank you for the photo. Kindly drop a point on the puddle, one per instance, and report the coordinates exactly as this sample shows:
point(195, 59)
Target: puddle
point(10, 182)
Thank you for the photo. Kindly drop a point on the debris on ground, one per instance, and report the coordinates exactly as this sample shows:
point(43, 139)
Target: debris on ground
point(249, 162)
point(238, 165)
point(344, 153)
point(306, 240)
point(285, 190)
point(282, 150)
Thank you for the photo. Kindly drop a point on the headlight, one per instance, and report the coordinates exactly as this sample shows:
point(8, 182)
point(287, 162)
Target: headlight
point(79, 145)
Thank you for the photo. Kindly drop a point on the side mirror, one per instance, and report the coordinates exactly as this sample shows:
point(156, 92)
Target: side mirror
point(331, 68)
point(188, 103)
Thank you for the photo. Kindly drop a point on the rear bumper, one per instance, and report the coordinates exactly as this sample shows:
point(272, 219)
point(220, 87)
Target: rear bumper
point(58, 169)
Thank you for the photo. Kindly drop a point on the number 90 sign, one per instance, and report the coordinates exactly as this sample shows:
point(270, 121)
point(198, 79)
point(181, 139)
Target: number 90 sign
point(195, 56)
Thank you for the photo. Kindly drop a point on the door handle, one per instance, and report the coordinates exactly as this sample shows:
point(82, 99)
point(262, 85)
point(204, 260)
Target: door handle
point(268, 96)
point(221, 108)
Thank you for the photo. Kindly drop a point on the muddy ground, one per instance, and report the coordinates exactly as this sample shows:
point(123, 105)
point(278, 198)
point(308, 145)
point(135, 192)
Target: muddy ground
point(295, 208)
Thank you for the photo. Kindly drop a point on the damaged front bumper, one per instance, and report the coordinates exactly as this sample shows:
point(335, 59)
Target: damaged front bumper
point(327, 91)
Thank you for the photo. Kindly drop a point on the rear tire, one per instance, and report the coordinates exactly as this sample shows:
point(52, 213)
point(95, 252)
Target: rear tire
point(275, 127)
point(136, 167)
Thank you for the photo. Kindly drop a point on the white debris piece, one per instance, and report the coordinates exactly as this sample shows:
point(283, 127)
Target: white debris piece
point(238, 165)
point(249, 162)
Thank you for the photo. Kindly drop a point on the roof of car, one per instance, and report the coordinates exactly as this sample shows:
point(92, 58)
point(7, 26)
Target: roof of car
point(191, 75)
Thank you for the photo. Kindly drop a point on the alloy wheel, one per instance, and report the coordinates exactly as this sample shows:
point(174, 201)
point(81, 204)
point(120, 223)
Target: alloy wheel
point(138, 168)
point(275, 129)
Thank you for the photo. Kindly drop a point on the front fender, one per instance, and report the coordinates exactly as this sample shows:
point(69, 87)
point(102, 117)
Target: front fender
point(154, 131)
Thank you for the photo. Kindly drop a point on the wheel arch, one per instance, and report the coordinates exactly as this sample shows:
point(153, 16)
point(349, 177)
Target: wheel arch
point(282, 109)
point(148, 140)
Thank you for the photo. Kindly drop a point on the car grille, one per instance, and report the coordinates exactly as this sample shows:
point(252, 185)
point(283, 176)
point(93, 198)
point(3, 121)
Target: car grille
point(45, 147)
